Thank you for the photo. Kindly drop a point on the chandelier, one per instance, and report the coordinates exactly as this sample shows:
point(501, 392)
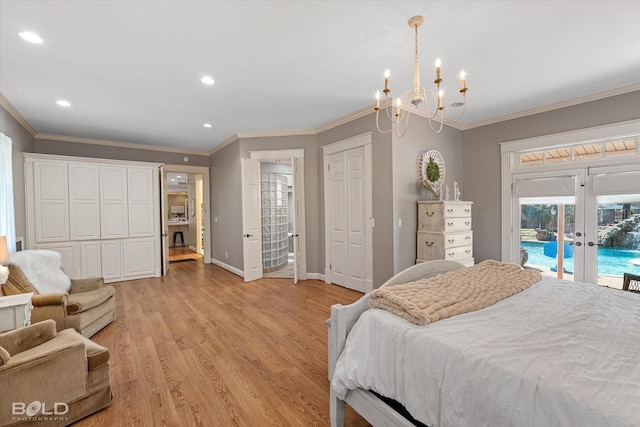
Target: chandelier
point(418, 98)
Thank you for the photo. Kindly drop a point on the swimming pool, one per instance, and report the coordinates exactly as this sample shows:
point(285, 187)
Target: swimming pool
point(611, 261)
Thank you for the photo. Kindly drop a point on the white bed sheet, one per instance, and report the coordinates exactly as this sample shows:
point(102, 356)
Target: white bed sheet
point(556, 354)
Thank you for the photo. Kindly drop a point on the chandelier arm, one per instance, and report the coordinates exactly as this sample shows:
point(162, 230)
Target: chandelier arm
point(441, 121)
point(378, 125)
point(435, 102)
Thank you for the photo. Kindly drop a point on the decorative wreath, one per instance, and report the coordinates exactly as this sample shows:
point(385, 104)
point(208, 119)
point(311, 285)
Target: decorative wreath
point(431, 171)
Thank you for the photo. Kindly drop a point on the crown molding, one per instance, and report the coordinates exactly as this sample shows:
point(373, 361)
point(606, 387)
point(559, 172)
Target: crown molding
point(16, 115)
point(562, 104)
point(119, 144)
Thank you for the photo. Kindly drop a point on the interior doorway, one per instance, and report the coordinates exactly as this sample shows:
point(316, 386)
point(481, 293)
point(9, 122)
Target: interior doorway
point(185, 213)
point(184, 216)
point(274, 215)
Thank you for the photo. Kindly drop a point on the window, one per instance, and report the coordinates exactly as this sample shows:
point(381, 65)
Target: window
point(591, 151)
point(7, 218)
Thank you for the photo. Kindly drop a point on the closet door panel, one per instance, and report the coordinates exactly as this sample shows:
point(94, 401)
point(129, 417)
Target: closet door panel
point(111, 252)
point(138, 257)
point(84, 201)
point(90, 259)
point(51, 202)
point(140, 200)
point(113, 202)
point(70, 256)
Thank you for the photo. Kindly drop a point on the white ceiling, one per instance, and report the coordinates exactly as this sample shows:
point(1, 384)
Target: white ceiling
point(132, 69)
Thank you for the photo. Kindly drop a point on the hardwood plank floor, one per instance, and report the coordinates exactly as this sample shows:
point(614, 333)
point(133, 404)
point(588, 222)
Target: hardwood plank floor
point(199, 347)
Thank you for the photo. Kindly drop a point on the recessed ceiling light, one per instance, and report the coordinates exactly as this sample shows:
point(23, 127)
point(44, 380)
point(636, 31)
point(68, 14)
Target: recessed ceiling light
point(207, 125)
point(30, 37)
point(63, 103)
point(208, 80)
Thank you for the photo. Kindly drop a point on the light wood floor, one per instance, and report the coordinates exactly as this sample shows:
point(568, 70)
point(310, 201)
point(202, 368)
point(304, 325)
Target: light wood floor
point(200, 347)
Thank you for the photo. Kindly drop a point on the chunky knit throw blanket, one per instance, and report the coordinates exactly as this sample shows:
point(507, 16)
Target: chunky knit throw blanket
point(455, 292)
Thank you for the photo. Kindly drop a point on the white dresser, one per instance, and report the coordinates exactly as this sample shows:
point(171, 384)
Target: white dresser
point(444, 231)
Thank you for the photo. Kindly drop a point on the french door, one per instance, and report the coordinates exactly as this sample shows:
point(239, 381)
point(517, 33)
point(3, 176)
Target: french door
point(581, 224)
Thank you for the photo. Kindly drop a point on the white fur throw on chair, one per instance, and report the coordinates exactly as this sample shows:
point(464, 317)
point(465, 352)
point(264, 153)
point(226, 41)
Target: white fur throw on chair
point(43, 269)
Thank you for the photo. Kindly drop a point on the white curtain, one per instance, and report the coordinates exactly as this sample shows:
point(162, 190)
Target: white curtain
point(7, 216)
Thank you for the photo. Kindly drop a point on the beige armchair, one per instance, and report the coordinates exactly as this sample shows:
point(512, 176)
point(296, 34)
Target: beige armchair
point(87, 307)
point(53, 377)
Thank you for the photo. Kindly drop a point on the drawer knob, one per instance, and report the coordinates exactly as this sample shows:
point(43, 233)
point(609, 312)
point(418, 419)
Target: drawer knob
point(449, 210)
point(467, 238)
point(468, 251)
point(467, 222)
point(451, 254)
point(429, 243)
point(467, 210)
point(450, 224)
point(451, 240)
point(430, 213)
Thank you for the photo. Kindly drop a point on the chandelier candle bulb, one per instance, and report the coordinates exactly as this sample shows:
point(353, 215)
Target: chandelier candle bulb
point(438, 64)
point(398, 106)
point(377, 100)
point(441, 100)
point(386, 81)
point(463, 77)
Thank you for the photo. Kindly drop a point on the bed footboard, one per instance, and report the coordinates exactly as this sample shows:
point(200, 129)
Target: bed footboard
point(343, 317)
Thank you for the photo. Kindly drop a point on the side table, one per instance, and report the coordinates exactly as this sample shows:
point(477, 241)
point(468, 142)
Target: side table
point(15, 311)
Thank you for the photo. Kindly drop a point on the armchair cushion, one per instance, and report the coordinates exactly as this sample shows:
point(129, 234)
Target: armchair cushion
point(97, 355)
point(22, 339)
point(86, 300)
point(86, 285)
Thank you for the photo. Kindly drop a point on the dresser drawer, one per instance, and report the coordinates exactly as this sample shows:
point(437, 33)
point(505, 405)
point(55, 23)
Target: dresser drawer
point(434, 216)
point(432, 245)
point(457, 224)
point(460, 253)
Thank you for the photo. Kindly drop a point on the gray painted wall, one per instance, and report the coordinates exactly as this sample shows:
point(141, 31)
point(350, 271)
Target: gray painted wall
point(64, 148)
point(226, 205)
point(481, 157)
point(22, 142)
point(408, 190)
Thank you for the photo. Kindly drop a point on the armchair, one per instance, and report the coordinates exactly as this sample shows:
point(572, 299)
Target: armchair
point(87, 307)
point(59, 377)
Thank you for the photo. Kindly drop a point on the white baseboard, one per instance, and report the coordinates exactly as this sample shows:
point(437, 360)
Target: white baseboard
point(316, 276)
point(228, 267)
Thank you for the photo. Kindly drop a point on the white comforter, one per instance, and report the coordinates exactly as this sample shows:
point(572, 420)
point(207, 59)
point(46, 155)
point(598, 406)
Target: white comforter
point(556, 354)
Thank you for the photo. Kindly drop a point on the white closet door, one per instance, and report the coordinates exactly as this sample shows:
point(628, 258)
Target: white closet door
point(138, 257)
point(113, 202)
point(51, 201)
point(338, 220)
point(140, 198)
point(356, 221)
point(91, 259)
point(111, 252)
point(84, 201)
point(70, 259)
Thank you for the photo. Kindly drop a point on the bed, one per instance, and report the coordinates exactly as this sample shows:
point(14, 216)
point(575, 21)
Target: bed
point(558, 353)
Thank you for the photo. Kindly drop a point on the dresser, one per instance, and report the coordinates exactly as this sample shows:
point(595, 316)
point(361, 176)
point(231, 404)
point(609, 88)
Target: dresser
point(444, 231)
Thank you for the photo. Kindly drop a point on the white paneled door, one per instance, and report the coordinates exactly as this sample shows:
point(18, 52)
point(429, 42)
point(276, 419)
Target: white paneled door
point(252, 225)
point(347, 222)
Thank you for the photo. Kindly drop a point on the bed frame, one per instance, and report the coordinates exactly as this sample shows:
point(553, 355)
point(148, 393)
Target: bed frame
point(343, 317)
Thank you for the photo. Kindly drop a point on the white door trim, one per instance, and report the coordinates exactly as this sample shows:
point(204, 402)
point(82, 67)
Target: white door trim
point(297, 154)
point(509, 164)
point(206, 195)
point(362, 140)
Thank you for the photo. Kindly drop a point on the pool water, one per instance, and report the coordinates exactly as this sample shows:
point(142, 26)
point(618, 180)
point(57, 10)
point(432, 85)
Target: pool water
point(611, 261)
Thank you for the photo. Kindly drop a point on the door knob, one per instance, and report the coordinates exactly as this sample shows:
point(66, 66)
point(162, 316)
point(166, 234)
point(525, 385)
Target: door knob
point(578, 234)
point(591, 244)
point(248, 235)
point(578, 243)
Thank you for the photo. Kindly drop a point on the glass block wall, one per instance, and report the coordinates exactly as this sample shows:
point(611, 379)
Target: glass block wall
point(275, 222)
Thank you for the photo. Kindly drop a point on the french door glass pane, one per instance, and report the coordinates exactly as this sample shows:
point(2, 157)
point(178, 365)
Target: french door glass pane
point(543, 227)
point(618, 243)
